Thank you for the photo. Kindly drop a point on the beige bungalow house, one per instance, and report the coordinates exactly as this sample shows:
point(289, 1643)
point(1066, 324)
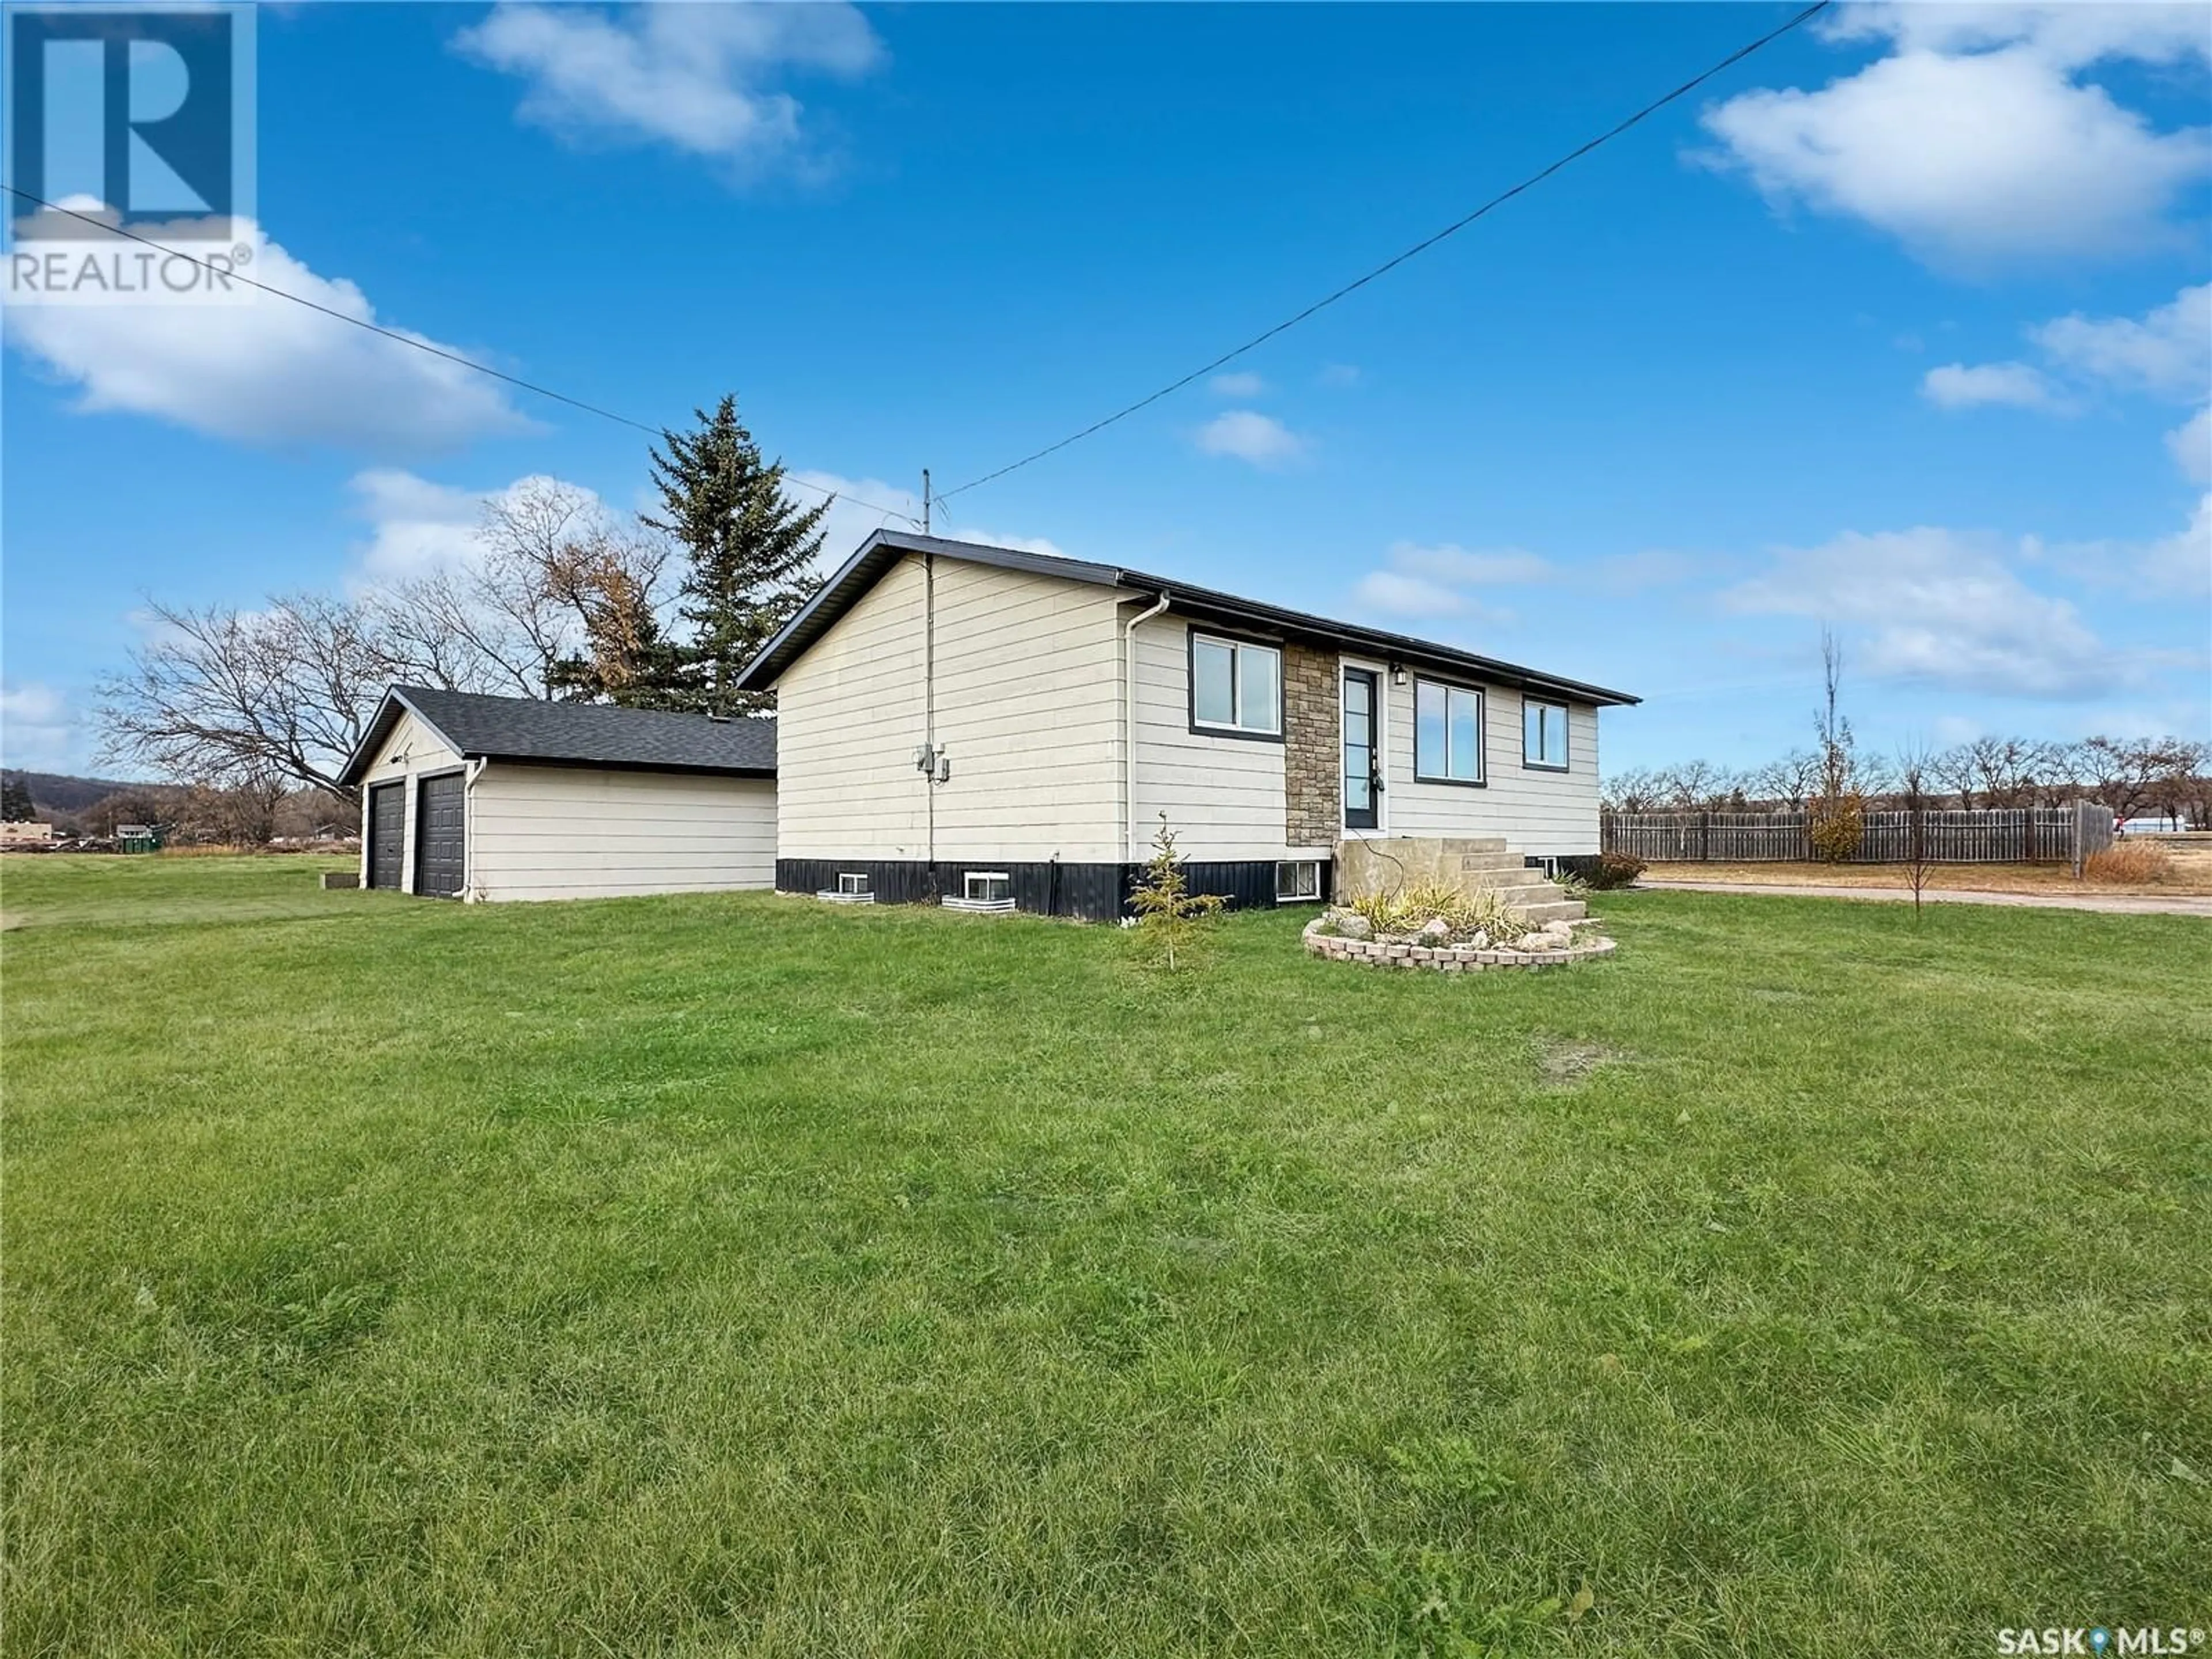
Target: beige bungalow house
point(1007, 729)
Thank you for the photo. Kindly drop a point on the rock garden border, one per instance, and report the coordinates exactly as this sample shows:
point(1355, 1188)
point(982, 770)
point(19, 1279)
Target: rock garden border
point(1449, 958)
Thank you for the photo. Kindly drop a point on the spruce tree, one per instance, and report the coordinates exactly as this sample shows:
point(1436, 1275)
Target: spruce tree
point(750, 550)
point(15, 798)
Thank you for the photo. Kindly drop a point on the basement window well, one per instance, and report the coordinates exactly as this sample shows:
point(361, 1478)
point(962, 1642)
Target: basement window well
point(988, 891)
point(853, 888)
point(1297, 882)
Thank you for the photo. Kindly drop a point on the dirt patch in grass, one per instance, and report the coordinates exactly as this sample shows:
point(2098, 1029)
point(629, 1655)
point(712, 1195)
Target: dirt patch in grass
point(2190, 874)
point(1562, 1064)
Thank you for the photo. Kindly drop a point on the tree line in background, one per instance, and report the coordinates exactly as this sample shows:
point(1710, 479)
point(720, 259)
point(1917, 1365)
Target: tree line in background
point(1836, 782)
point(565, 600)
point(2149, 777)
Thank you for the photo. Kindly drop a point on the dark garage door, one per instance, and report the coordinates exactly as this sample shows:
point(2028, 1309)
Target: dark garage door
point(387, 826)
point(441, 852)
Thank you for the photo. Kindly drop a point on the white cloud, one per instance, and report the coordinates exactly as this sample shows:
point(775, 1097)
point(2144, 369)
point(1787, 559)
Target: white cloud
point(693, 76)
point(1251, 436)
point(39, 732)
point(1396, 594)
point(2190, 444)
point(2177, 565)
point(2167, 352)
point(1240, 384)
point(265, 371)
point(1483, 567)
point(1435, 581)
point(1978, 139)
point(1959, 385)
point(416, 528)
point(1942, 606)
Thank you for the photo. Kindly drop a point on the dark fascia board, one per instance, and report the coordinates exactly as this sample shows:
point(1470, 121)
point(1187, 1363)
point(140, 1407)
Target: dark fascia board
point(886, 547)
point(397, 703)
point(623, 765)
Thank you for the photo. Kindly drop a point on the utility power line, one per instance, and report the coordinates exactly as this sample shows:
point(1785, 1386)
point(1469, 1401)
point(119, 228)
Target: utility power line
point(1392, 264)
point(232, 273)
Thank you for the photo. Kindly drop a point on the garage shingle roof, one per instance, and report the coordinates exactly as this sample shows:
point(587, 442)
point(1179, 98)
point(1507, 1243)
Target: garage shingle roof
point(573, 733)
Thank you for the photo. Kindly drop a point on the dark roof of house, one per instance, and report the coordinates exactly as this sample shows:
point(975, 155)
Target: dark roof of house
point(574, 733)
point(887, 547)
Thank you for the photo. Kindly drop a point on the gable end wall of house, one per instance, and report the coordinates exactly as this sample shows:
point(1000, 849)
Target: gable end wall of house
point(1027, 700)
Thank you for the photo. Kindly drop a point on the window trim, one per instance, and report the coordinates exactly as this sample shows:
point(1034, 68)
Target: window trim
point(1566, 736)
point(969, 878)
point(1192, 633)
point(1295, 897)
point(859, 876)
point(1481, 733)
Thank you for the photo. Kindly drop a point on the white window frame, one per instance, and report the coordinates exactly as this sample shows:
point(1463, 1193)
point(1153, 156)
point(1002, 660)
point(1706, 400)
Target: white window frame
point(1235, 726)
point(852, 882)
point(1305, 874)
point(982, 904)
point(1481, 733)
point(1544, 705)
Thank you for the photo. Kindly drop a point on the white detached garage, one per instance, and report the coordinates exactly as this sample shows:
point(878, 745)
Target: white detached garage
point(472, 797)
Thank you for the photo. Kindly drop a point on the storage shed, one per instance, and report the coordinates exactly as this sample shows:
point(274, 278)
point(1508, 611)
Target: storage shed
point(484, 797)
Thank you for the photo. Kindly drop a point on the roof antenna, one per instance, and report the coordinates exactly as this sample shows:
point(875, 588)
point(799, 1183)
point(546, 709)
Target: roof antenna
point(925, 501)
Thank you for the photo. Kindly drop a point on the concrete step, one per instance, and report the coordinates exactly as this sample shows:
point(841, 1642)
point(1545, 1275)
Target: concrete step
point(1485, 862)
point(1555, 910)
point(1538, 891)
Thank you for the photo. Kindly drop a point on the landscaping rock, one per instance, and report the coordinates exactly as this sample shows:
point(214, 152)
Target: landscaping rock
point(1350, 924)
point(1436, 927)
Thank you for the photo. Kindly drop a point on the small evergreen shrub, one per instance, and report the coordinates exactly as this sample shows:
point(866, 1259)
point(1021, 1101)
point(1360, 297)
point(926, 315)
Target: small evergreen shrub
point(1171, 918)
point(1609, 871)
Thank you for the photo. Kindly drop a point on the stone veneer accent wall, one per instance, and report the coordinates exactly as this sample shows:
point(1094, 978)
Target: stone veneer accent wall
point(1313, 754)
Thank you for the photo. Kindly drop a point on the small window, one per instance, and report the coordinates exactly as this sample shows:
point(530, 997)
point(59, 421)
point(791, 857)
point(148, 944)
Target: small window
point(988, 887)
point(849, 882)
point(1446, 732)
point(1297, 880)
point(1235, 686)
point(1544, 735)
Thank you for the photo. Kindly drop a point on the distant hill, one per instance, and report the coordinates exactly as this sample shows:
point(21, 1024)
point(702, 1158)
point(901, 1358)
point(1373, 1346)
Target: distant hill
point(55, 792)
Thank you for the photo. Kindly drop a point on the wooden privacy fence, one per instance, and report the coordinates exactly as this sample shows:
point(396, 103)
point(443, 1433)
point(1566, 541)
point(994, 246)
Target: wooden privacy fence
point(2027, 835)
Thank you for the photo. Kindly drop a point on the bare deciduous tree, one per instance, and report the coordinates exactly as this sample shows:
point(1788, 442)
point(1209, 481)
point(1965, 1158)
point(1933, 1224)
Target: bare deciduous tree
point(1913, 796)
point(563, 601)
point(223, 698)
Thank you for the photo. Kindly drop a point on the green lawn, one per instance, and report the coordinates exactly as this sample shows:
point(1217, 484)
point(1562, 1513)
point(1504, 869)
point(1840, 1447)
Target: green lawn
point(736, 1275)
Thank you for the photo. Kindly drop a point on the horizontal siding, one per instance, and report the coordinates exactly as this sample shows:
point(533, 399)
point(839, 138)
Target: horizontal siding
point(1224, 797)
point(1537, 812)
point(1026, 708)
point(547, 832)
point(848, 718)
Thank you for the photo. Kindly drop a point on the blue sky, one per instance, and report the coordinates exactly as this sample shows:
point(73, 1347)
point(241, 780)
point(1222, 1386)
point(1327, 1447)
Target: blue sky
point(1901, 326)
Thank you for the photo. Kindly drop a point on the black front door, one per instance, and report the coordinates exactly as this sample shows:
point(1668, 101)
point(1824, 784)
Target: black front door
point(387, 834)
point(441, 835)
point(1362, 771)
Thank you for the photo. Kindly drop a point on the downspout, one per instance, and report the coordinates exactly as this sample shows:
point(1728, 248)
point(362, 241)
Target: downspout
point(471, 772)
point(1129, 719)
